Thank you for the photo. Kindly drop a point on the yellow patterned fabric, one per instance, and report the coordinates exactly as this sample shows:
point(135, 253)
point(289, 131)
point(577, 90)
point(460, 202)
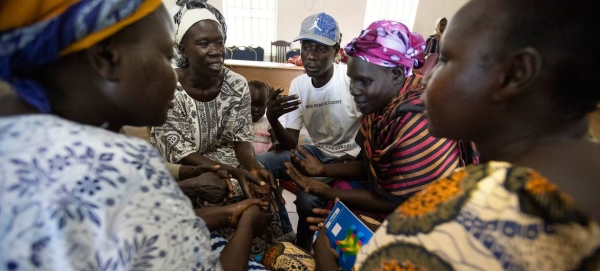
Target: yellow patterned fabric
point(494, 216)
point(22, 13)
point(286, 256)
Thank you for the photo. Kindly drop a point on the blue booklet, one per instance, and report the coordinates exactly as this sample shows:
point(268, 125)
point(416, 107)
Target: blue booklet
point(346, 233)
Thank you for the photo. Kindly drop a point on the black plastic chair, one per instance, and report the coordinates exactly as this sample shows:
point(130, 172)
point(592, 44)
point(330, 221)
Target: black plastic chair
point(228, 52)
point(260, 53)
point(244, 53)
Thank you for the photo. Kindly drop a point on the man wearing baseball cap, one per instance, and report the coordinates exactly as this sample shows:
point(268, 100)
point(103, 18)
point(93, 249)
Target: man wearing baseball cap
point(321, 101)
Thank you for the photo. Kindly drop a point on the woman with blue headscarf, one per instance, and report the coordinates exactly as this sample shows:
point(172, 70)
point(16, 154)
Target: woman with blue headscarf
point(74, 195)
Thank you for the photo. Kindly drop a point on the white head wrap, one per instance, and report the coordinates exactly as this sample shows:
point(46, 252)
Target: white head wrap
point(189, 17)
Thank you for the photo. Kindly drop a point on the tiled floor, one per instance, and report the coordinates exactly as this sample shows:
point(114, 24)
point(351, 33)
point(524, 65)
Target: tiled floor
point(291, 208)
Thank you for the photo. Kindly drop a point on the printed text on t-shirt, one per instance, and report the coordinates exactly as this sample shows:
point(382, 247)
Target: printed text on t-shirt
point(324, 103)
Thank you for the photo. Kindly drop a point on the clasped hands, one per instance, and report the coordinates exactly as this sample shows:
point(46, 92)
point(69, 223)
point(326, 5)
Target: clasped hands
point(258, 183)
point(213, 183)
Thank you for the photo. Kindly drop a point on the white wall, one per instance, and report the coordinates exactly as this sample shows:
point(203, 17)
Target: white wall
point(350, 15)
point(169, 4)
point(430, 10)
point(216, 3)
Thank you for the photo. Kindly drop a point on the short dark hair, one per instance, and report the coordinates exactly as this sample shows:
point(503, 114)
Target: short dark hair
point(261, 86)
point(564, 33)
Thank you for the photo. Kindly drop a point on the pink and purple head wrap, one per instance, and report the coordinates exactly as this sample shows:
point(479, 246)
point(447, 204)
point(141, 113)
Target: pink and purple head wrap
point(389, 44)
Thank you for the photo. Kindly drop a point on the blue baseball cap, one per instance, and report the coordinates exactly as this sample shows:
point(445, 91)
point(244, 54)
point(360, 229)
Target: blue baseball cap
point(320, 28)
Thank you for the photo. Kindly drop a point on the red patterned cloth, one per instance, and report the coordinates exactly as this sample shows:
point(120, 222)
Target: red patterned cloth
point(399, 154)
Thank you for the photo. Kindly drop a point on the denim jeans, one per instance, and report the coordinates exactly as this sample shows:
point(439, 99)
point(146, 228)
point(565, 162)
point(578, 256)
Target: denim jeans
point(304, 201)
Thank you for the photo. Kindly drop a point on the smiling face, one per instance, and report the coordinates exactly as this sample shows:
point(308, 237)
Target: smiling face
point(372, 86)
point(204, 46)
point(317, 58)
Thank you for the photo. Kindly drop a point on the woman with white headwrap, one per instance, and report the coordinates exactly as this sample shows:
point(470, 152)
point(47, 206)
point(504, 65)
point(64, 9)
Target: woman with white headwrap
point(211, 123)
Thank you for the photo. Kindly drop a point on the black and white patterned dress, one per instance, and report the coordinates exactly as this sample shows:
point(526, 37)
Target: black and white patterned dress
point(211, 128)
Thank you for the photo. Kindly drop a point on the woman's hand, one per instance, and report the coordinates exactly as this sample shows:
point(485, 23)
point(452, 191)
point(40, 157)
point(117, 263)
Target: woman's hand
point(319, 217)
point(322, 243)
point(235, 211)
point(254, 187)
point(308, 185)
point(264, 193)
point(256, 219)
point(265, 175)
point(245, 178)
point(209, 186)
point(310, 166)
point(325, 256)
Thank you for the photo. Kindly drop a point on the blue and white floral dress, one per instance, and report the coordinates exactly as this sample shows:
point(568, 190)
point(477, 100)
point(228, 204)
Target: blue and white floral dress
point(76, 197)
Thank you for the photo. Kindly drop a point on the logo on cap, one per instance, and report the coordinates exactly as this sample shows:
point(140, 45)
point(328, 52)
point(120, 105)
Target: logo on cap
point(325, 26)
point(316, 25)
point(321, 28)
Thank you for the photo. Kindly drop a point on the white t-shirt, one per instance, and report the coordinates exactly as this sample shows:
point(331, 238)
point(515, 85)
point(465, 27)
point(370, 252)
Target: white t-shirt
point(329, 113)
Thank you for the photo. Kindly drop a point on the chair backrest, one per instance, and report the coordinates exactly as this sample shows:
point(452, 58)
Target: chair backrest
point(281, 47)
point(244, 53)
point(292, 53)
point(429, 64)
point(260, 53)
point(229, 52)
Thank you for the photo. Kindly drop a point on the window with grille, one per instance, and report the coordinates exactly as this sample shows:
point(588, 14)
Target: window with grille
point(403, 11)
point(250, 22)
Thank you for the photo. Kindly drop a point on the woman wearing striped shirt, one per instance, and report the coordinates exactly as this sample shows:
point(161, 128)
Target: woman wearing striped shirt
point(399, 157)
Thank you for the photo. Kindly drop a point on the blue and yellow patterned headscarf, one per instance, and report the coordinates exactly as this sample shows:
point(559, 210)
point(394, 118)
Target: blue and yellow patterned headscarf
point(38, 32)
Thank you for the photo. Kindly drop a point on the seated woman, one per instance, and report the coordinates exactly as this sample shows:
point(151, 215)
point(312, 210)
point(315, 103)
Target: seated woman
point(521, 95)
point(210, 122)
point(75, 194)
point(398, 155)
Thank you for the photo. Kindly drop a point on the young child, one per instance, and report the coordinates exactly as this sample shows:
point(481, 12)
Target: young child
point(263, 135)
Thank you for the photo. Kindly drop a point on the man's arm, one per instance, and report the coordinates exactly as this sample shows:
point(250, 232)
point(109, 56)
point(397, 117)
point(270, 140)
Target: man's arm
point(287, 138)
